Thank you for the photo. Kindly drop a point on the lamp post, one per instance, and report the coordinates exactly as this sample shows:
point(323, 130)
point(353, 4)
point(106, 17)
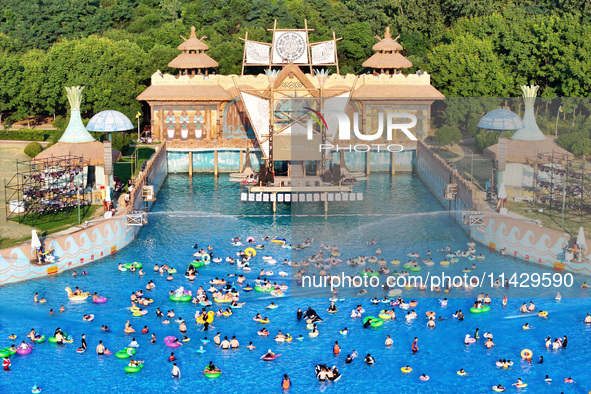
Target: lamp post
point(138, 116)
point(78, 198)
point(557, 116)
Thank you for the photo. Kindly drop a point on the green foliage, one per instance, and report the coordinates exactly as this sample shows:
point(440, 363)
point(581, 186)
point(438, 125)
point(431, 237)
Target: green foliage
point(121, 141)
point(486, 138)
point(23, 135)
point(576, 142)
point(447, 134)
point(33, 149)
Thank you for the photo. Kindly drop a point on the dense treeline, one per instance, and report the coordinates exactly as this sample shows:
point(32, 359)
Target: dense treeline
point(470, 47)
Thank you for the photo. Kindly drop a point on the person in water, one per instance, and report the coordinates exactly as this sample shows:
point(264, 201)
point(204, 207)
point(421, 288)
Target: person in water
point(286, 383)
point(415, 345)
point(176, 372)
point(369, 360)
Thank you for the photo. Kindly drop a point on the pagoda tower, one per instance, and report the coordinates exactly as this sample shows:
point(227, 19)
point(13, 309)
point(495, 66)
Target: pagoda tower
point(387, 59)
point(193, 60)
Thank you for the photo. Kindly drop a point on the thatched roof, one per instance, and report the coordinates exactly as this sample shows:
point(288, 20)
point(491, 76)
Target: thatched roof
point(521, 151)
point(185, 93)
point(193, 43)
point(92, 152)
point(193, 60)
point(387, 43)
point(381, 60)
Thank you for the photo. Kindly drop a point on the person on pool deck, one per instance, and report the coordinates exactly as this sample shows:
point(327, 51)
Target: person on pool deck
point(415, 345)
point(369, 360)
point(176, 372)
point(100, 349)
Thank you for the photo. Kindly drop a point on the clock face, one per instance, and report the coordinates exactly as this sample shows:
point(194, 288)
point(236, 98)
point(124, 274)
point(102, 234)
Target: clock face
point(290, 45)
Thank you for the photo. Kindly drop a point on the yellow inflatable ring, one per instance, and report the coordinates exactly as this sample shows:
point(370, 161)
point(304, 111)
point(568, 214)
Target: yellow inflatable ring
point(430, 313)
point(526, 353)
point(543, 314)
point(250, 252)
point(384, 315)
point(264, 321)
point(406, 369)
point(461, 373)
point(136, 314)
point(395, 262)
point(129, 330)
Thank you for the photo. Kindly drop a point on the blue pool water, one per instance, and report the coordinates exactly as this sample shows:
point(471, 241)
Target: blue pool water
point(401, 215)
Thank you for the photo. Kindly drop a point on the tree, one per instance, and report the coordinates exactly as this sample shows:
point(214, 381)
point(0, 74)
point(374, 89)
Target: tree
point(33, 149)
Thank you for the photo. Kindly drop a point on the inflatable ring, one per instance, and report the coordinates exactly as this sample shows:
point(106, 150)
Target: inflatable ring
point(414, 268)
point(526, 353)
point(395, 262)
point(198, 264)
point(384, 316)
point(461, 373)
point(250, 252)
point(498, 390)
point(521, 385)
point(485, 308)
point(172, 270)
point(129, 330)
point(129, 369)
point(213, 374)
point(543, 314)
point(406, 369)
point(376, 322)
point(430, 313)
point(424, 378)
point(205, 257)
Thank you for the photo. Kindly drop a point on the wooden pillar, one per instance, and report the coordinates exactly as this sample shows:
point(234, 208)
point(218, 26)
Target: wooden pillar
point(215, 163)
point(190, 164)
point(241, 161)
point(367, 163)
point(393, 163)
point(325, 204)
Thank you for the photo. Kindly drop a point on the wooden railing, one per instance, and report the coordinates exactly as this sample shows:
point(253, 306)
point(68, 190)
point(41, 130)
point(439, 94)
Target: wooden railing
point(143, 178)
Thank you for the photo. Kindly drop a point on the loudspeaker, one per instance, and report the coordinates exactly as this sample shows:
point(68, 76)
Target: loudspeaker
point(336, 173)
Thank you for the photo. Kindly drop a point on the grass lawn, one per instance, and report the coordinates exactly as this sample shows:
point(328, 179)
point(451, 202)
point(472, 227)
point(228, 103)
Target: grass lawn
point(572, 222)
point(122, 169)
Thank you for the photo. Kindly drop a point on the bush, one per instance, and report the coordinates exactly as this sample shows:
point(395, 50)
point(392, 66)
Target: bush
point(33, 149)
point(447, 134)
point(121, 141)
point(486, 138)
point(22, 135)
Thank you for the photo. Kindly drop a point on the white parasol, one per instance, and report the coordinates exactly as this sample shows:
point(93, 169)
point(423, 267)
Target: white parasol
point(502, 191)
point(108, 193)
point(581, 238)
point(35, 242)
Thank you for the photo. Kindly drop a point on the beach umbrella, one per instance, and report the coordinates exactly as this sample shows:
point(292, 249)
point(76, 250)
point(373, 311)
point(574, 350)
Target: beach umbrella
point(581, 238)
point(502, 191)
point(35, 242)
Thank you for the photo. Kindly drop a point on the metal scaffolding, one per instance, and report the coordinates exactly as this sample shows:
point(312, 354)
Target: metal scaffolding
point(47, 190)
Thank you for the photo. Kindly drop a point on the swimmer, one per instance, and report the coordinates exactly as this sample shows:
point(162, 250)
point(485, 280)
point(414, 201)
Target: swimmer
point(172, 357)
point(431, 323)
point(145, 330)
point(587, 319)
point(526, 326)
point(153, 340)
point(499, 388)
point(519, 382)
point(369, 360)
point(251, 347)
point(415, 345)
point(176, 372)
point(345, 331)
point(35, 298)
point(62, 309)
point(489, 343)
point(389, 341)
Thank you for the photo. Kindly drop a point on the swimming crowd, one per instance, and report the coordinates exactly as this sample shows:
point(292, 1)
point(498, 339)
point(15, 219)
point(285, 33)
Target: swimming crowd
point(228, 291)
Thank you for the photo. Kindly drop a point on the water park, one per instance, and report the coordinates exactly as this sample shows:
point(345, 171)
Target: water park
point(273, 239)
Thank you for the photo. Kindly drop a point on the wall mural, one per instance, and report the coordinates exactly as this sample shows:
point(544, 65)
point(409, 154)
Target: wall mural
point(236, 123)
point(187, 122)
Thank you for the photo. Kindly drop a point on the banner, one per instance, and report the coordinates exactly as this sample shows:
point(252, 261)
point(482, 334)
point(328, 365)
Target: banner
point(257, 53)
point(258, 112)
point(323, 53)
point(290, 45)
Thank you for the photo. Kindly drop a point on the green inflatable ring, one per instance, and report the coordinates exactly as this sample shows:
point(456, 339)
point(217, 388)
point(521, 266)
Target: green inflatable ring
point(365, 273)
point(414, 269)
point(52, 339)
point(183, 298)
point(135, 263)
point(172, 270)
point(212, 374)
point(259, 288)
point(376, 322)
point(129, 369)
point(484, 309)
point(125, 353)
point(4, 353)
point(406, 265)
point(40, 340)
point(197, 264)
